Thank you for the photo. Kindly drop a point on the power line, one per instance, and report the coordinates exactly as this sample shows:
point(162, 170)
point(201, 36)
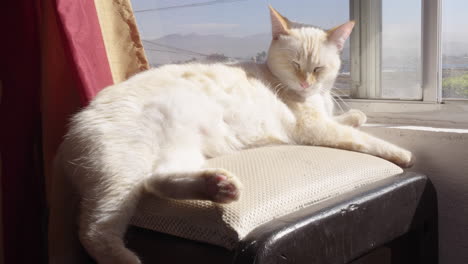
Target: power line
point(169, 51)
point(188, 5)
point(175, 48)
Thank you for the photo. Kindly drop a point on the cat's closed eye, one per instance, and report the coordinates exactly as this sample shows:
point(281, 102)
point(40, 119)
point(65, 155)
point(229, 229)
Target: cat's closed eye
point(318, 69)
point(296, 65)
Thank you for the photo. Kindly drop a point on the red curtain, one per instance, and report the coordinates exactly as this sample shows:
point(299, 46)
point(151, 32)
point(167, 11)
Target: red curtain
point(23, 203)
point(74, 66)
point(53, 62)
point(84, 44)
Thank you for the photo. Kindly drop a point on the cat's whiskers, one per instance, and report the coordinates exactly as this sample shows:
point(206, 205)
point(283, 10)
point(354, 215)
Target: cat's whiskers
point(339, 97)
point(339, 105)
point(339, 92)
point(278, 87)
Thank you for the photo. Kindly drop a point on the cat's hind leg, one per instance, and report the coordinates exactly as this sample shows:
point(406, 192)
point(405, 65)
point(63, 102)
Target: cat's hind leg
point(214, 184)
point(107, 209)
point(180, 176)
point(103, 221)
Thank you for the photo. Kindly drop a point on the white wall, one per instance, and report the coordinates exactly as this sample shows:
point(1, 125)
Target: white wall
point(442, 155)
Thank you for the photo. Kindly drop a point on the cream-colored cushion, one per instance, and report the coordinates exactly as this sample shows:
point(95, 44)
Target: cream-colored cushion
point(277, 181)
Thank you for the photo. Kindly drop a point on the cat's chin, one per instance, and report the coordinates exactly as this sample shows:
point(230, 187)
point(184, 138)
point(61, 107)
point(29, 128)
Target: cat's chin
point(300, 95)
point(299, 91)
point(306, 93)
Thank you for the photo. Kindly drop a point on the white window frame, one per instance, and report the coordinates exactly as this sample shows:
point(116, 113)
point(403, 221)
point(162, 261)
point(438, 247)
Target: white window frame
point(366, 52)
point(366, 67)
point(431, 40)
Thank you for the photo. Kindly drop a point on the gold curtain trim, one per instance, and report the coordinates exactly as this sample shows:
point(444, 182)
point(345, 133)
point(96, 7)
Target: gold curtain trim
point(121, 38)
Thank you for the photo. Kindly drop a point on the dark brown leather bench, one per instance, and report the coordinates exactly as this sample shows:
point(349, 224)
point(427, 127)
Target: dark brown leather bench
point(300, 205)
point(398, 214)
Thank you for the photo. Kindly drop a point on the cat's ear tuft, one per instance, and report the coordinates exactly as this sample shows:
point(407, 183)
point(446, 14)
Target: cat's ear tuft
point(340, 34)
point(279, 24)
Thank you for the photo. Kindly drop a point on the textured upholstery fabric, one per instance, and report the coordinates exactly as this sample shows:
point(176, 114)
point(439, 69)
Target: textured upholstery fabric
point(277, 181)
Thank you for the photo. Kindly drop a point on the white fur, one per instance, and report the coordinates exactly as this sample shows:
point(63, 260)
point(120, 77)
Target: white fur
point(153, 132)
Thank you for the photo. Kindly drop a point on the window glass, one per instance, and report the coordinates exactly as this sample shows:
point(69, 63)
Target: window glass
point(228, 30)
point(455, 49)
point(401, 49)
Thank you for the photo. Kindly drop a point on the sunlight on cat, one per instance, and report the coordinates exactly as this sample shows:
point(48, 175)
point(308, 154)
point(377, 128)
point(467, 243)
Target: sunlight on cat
point(153, 132)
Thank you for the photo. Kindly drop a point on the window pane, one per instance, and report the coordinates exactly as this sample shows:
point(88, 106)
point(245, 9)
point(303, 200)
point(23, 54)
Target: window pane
point(236, 30)
point(401, 49)
point(455, 49)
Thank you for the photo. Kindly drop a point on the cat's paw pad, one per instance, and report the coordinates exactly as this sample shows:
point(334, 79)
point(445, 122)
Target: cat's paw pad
point(221, 186)
point(356, 118)
point(405, 159)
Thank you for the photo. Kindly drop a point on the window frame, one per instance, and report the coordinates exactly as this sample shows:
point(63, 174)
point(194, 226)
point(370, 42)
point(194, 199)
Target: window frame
point(366, 53)
point(431, 40)
point(432, 109)
point(365, 74)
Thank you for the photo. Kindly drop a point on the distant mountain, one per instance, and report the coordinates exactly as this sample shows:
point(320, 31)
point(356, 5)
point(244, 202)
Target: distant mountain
point(175, 47)
point(180, 48)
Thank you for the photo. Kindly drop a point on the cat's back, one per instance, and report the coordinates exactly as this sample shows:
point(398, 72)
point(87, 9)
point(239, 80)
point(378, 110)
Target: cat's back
point(209, 79)
point(229, 97)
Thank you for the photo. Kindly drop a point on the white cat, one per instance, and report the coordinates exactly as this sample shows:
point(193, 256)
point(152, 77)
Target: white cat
point(153, 132)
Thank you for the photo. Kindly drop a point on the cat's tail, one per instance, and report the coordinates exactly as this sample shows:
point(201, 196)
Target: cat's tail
point(63, 242)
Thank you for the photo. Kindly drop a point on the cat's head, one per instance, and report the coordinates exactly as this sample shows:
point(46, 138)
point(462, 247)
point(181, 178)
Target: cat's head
point(305, 58)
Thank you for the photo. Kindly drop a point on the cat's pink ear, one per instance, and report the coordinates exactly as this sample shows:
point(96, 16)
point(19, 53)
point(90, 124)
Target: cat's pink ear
point(340, 34)
point(279, 24)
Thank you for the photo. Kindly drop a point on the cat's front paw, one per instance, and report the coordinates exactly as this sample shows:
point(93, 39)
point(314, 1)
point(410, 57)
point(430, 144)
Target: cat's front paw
point(404, 159)
point(221, 186)
point(353, 117)
point(356, 118)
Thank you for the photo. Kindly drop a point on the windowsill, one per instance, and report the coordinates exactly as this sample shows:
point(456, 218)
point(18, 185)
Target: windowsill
point(450, 114)
point(418, 128)
point(444, 143)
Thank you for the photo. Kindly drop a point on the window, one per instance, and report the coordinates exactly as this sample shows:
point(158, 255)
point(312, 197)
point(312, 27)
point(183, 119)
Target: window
point(233, 30)
point(399, 51)
point(455, 49)
point(386, 49)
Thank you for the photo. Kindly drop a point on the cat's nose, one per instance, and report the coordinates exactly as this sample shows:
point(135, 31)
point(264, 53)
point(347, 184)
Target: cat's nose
point(305, 84)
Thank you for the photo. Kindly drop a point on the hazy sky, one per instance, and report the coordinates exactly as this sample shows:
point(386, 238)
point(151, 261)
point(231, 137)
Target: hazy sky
point(455, 20)
point(246, 17)
point(233, 18)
